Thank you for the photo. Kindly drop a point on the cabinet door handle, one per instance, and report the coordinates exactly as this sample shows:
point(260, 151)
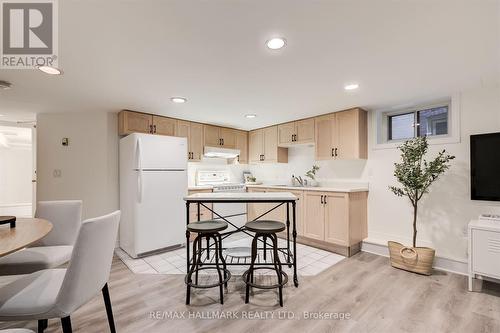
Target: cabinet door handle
point(321, 199)
point(223, 142)
point(336, 152)
point(150, 128)
point(154, 128)
point(333, 152)
point(324, 200)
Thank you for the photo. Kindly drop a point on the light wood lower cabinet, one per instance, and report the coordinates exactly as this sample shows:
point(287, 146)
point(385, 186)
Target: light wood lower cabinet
point(335, 221)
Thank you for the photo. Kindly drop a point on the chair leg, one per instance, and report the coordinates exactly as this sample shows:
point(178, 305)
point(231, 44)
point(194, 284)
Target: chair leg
point(277, 267)
point(42, 325)
point(109, 309)
point(66, 325)
point(219, 239)
point(221, 287)
point(191, 269)
point(250, 270)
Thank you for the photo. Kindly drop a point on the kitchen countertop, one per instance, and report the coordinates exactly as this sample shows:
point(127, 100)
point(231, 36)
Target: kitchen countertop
point(242, 197)
point(200, 187)
point(337, 188)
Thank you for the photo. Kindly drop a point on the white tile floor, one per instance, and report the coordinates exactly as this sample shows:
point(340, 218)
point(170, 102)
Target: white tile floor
point(310, 261)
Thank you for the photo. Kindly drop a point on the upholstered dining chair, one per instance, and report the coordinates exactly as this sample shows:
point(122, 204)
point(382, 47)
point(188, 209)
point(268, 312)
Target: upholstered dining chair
point(58, 292)
point(55, 248)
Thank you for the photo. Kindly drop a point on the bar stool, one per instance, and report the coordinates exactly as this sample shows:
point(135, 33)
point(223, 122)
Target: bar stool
point(265, 229)
point(207, 229)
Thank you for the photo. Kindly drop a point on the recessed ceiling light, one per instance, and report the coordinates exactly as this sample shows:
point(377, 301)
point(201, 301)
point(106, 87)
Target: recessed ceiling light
point(250, 116)
point(178, 100)
point(276, 43)
point(351, 86)
point(5, 85)
point(50, 70)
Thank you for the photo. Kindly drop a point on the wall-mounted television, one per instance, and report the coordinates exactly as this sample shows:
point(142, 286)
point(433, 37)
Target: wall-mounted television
point(485, 166)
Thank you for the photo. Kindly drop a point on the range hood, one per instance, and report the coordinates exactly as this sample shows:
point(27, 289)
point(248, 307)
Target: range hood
point(221, 152)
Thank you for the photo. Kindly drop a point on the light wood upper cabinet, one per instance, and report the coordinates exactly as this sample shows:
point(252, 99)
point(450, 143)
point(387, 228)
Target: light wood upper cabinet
point(296, 132)
point(228, 137)
point(305, 131)
point(324, 137)
point(219, 136)
point(164, 125)
point(263, 146)
point(314, 215)
point(342, 135)
point(211, 136)
point(255, 146)
point(242, 145)
point(286, 133)
point(194, 133)
point(196, 141)
point(134, 122)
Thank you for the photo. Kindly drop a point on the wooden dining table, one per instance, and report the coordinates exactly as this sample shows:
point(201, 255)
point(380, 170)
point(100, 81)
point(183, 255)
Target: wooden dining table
point(26, 232)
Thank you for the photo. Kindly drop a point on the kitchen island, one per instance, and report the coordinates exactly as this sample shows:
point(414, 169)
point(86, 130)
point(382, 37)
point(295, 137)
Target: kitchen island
point(277, 200)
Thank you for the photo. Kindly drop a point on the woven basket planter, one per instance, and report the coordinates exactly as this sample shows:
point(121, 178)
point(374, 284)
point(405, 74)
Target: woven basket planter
point(413, 259)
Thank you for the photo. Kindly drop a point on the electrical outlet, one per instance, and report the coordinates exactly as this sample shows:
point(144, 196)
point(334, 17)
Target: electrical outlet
point(56, 173)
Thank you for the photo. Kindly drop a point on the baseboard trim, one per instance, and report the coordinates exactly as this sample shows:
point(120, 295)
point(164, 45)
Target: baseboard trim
point(440, 263)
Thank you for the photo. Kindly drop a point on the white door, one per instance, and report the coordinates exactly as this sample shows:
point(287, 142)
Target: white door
point(161, 152)
point(160, 214)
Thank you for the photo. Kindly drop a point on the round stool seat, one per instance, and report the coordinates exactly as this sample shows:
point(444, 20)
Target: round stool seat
point(265, 226)
point(209, 226)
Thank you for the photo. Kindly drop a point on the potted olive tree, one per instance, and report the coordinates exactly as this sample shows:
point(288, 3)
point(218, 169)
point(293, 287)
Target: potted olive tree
point(415, 175)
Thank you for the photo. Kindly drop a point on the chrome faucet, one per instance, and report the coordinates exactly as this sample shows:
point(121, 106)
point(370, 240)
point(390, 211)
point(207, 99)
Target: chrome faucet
point(299, 180)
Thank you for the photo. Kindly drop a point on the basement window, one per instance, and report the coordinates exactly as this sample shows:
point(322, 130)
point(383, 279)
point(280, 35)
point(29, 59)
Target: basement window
point(426, 121)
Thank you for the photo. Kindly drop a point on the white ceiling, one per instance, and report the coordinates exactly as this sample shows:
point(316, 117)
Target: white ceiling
point(137, 54)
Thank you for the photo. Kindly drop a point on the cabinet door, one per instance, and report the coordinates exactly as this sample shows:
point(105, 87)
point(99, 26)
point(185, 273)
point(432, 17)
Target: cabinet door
point(254, 210)
point(164, 125)
point(255, 146)
point(324, 134)
point(305, 131)
point(228, 137)
point(196, 141)
point(182, 130)
point(134, 122)
point(286, 133)
point(212, 137)
point(346, 134)
point(337, 218)
point(314, 215)
point(270, 144)
point(242, 145)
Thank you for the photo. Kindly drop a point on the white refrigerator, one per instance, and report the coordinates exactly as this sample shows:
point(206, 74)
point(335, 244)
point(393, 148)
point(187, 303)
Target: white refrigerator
point(153, 182)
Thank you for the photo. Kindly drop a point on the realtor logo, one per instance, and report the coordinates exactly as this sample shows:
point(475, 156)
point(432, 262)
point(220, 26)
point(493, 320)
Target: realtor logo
point(29, 33)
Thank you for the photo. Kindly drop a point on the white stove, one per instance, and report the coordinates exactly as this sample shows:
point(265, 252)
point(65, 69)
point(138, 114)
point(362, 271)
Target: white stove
point(235, 213)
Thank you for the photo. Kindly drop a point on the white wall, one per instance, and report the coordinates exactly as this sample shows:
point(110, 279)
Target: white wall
point(446, 210)
point(15, 175)
point(89, 165)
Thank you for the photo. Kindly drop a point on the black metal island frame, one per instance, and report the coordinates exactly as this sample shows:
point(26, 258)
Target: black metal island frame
point(279, 198)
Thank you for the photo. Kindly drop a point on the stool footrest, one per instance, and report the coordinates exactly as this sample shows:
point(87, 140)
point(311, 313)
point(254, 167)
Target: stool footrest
point(206, 286)
point(260, 286)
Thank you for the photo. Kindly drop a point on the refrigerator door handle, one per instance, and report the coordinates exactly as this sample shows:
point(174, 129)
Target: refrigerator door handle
point(139, 173)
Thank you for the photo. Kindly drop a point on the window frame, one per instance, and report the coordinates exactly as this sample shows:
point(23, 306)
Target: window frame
point(386, 116)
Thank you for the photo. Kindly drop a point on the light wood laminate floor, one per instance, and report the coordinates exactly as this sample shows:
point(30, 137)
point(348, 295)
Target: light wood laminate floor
point(378, 298)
